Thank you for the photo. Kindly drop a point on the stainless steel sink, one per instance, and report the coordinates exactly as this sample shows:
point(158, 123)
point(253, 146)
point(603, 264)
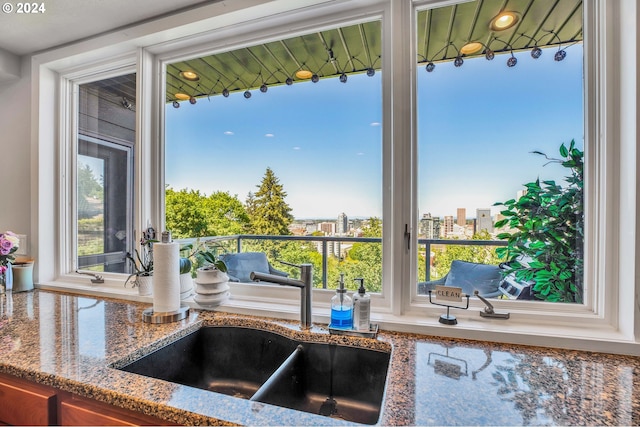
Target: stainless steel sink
point(228, 360)
point(327, 379)
point(330, 380)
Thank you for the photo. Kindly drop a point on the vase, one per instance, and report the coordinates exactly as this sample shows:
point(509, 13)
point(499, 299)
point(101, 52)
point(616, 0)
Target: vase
point(22, 276)
point(186, 285)
point(145, 285)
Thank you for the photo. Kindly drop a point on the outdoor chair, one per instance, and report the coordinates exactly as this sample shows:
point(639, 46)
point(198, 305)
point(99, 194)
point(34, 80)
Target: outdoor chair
point(240, 265)
point(469, 276)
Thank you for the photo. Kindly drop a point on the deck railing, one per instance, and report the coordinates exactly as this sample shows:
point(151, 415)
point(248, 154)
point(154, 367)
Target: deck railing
point(325, 240)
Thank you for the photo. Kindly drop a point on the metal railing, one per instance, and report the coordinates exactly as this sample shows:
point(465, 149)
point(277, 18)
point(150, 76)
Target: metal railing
point(325, 240)
point(452, 242)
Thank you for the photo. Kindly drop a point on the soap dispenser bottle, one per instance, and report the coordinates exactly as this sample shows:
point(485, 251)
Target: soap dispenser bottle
point(361, 308)
point(341, 307)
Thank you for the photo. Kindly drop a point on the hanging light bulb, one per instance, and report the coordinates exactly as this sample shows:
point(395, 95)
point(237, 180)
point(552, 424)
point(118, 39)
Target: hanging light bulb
point(512, 61)
point(536, 52)
point(289, 81)
point(430, 67)
point(247, 94)
point(458, 61)
point(176, 104)
point(371, 72)
point(225, 92)
point(192, 100)
point(489, 54)
point(343, 77)
point(560, 55)
point(315, 78)
point(264, 88)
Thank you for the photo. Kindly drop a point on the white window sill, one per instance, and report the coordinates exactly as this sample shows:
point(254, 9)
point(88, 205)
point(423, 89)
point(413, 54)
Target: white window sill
point(519, 329)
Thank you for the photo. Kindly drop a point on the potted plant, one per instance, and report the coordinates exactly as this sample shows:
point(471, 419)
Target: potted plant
point(207, 263)
point(545, 232)
point(8, 246)
point(186, 265)
point(142, 263)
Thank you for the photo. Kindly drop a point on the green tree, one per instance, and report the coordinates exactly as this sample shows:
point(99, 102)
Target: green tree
point(89, 188)
point(365, 259)
point(471, 253)
point(270, 213)
point(192, 214)
point(546, 236)
point(226, 215)
point(185, 214)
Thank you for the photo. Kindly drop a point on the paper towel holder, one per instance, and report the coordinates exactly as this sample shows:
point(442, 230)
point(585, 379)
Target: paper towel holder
point(149, 316)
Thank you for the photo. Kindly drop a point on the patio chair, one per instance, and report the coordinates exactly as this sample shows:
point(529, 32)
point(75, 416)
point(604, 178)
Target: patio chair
point(469, 276)
point(240, 265)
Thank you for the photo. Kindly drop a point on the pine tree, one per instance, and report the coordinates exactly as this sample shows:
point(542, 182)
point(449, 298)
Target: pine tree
point(270, 213)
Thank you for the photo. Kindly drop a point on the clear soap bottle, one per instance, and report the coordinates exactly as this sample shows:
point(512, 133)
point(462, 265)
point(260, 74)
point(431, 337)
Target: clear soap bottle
point(341, 307)
point(361, 308)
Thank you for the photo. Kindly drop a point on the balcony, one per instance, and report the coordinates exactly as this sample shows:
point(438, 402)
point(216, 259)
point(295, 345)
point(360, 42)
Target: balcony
point(331, 255)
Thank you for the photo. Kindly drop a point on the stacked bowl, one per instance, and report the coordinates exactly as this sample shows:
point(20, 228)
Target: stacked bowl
point(212, 287)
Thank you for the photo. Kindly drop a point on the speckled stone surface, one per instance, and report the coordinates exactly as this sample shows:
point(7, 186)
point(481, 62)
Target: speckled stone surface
point(73, 343)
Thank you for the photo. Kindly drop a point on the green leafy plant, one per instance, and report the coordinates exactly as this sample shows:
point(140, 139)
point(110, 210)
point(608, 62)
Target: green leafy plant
point(205, 255)
point(185, 265)
point(546, 232)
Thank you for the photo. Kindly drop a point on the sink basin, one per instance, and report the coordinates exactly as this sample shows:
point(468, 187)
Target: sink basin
point(330, 380)
point(228, 360)
point(326, 379)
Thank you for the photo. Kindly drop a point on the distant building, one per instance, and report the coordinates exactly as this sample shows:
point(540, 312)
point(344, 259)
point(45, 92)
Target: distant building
point(483, 220)
point(342, 226)
point(461, 219)
point(430, 226)
point(328, 228)
point(447, 226)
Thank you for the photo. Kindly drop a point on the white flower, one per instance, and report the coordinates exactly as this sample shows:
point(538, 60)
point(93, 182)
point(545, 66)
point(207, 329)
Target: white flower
point(15, 241)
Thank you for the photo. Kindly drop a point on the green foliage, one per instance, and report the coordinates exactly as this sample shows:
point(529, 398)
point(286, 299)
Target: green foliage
point(192, 214)
point(90, 193)
point(472, 253)
point(91, 235)
point(185, 265)
point(364, 260)
point(545, 241)
point(270, 213)
point(205, 255)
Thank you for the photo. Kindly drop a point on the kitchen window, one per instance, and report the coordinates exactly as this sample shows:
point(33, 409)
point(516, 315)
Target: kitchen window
point(500, 121)
point(607, 145)
point(288, 130)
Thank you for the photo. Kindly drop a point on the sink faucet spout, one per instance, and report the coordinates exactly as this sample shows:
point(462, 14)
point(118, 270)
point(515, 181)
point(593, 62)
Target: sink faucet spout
point(305, 284)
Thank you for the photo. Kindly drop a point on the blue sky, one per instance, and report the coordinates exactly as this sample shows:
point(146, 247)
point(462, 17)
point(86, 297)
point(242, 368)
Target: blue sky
point(477, 125)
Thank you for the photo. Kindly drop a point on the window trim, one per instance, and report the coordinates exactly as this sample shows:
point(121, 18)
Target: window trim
point(611, 206)
point(246, 35)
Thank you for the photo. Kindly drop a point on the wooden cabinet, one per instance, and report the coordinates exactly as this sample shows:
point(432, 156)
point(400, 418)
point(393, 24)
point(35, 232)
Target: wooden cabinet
point(79, 411)
point(26, 403)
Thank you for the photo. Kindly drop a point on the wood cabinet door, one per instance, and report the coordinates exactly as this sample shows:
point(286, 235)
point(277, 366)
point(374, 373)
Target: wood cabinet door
point(79, 411)
point(26, 403)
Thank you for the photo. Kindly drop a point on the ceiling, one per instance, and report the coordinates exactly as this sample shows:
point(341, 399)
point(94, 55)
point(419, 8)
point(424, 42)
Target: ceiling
point(66, 21)
point(442, 32)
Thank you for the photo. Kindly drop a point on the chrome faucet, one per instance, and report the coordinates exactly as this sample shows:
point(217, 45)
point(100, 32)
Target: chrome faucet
point(305, 284)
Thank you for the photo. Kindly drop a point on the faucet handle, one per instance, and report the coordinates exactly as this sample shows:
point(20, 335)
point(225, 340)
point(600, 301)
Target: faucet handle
point(305, 268)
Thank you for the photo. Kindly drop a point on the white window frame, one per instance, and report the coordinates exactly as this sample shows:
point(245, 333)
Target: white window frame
point(608, 321)
point(250, 34)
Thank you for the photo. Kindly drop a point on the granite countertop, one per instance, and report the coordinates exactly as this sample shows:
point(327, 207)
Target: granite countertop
point(70, 342)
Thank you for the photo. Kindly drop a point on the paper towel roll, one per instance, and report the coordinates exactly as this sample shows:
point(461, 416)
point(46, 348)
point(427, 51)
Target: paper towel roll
point(166, 277)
